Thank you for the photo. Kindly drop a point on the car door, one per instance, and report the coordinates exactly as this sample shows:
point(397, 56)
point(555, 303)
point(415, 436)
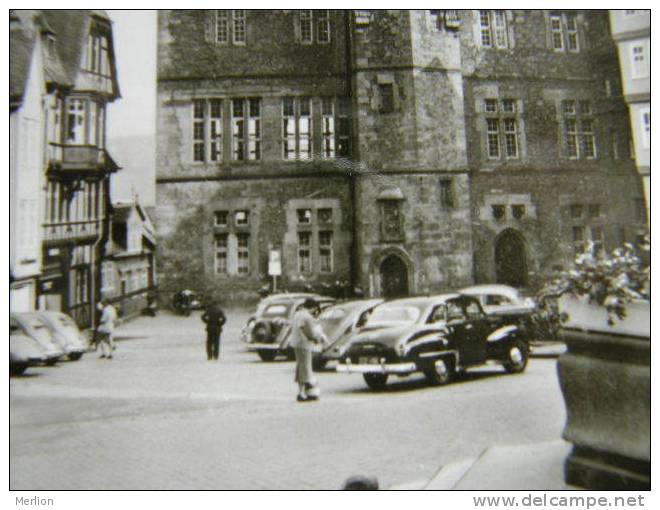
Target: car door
point(476, 332)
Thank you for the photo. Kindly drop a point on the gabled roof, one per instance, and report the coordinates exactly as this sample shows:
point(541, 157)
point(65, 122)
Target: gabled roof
point(70, 29)
point(21, 46)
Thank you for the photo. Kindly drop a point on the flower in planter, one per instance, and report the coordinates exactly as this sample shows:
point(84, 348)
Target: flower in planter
point(611, 281)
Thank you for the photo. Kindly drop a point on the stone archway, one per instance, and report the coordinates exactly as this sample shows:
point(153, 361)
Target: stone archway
point(394, 277)
point(511, 258)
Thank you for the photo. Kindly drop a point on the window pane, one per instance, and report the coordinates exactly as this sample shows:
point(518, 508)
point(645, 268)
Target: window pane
point(306, 26)
point(239, 26)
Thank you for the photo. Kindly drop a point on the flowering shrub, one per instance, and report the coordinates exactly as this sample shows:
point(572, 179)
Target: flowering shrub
point(609, 280)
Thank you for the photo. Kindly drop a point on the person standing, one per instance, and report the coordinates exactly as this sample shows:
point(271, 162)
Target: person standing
point(214, 318)
point(106, 328)
point(305, 335)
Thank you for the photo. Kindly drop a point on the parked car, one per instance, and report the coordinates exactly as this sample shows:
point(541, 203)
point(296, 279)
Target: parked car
point(31, 325)
point(436, 335)
point(270, 334)
point(66, 334)
point(339, 322)
point(246, 331)
point(185, 301)
point(500, 299)
point(24, 351)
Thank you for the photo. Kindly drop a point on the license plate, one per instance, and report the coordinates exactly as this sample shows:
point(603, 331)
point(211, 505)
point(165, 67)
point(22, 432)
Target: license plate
point(368, 360)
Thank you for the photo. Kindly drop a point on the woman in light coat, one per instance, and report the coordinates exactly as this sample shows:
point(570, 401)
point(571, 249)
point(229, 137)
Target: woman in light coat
point(305, 335)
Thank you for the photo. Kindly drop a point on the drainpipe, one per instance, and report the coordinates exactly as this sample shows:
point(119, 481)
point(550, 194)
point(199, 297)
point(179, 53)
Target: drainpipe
point(353, 174)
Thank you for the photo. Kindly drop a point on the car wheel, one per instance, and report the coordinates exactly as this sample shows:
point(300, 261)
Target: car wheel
point(318, 364)
point(517, 356)
point(266, 355)
point(440, 372)
point(75, 356)
point(376, 382)
point(17, 369)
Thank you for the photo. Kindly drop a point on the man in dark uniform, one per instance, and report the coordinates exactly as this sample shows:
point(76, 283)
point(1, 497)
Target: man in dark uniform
point(214, 318)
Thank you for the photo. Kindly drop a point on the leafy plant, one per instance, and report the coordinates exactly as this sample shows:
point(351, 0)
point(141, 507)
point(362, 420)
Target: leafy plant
point(609, 280)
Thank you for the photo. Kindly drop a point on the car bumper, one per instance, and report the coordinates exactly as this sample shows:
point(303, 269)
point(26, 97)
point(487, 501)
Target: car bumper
point(383, 368)
point(263, 347)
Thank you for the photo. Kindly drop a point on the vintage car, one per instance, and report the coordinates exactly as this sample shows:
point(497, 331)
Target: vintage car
point(30, 325)
point(435, 335)
point(246, 331)
point(500, 299)
point(66, 334)
point(24, 351)
point(270, 334)
point(339, 322)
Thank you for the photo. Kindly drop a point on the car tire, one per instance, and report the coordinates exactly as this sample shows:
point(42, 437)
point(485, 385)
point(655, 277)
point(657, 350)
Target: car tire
point(75, 356)
point(517, 355)
point(377, 382)
point(17, 369)
point(440, 372)
point(266, 355)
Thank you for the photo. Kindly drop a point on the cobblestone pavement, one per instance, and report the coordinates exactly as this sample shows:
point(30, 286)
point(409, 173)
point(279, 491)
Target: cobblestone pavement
point(159, 416)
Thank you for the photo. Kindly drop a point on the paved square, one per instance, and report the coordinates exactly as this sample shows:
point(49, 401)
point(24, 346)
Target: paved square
point(160, 416)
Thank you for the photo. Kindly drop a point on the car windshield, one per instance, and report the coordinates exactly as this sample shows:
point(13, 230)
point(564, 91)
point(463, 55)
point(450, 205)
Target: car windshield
point(332, 317)
point(277, 310)
point(401, 314)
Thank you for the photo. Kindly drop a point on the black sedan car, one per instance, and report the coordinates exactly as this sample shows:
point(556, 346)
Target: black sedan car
point(435, 335)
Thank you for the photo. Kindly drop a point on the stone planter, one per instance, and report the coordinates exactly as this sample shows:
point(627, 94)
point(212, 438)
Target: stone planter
point(605, 378)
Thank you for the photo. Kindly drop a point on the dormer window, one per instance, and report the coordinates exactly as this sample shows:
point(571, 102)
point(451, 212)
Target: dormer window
point(97, 60)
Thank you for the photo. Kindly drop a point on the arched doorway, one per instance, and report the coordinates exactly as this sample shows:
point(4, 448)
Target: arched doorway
point(393, 277)
point(511, 259)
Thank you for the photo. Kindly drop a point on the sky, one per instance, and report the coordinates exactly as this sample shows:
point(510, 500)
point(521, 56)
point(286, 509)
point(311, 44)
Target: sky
point(132, 118)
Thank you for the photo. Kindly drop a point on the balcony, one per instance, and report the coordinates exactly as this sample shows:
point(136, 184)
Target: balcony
point(72, 159)
point(71, 230)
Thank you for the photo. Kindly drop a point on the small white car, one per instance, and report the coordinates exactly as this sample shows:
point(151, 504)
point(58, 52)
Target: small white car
point(498, 299)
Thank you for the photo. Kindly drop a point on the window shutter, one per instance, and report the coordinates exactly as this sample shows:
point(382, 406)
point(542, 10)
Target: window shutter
point(209, 25)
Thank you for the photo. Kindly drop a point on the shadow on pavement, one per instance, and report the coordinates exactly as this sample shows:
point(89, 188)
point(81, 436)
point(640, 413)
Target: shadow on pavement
point(401, 386)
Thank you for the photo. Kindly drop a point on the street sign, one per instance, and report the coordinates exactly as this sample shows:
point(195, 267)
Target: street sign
point(274, 263)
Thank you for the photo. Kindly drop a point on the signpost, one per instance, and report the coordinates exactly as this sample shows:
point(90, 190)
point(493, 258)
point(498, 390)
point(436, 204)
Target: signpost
point(274, 266)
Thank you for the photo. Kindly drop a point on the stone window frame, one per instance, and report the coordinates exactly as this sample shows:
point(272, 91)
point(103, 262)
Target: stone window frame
point(234, 235)
point(243, 253)
point(239, 26)
point(578, 129)
point(208, 130)
point(244, 224)
point(499, 113)
point(246, 129)
point(313, 26)
point(498, 212)
point(304, 252)
point(313, 229)
point(228, 26)
point(584, 233)
point(220, 252)
point(326, 251)
point(492, 33)
point(564, 31)
point(387, 235)
point(293, 116)
point(447, 195)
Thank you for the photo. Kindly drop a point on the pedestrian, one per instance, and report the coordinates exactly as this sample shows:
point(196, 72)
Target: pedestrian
point(214, 318)
point(305, 335)
point(106, 328)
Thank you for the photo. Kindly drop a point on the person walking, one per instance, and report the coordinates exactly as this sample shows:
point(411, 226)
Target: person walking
point(305, 335)
point(214, 318)
point(106, 328)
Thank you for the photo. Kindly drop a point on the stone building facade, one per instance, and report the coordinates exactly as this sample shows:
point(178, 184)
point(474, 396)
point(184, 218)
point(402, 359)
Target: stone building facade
point(399, 151)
